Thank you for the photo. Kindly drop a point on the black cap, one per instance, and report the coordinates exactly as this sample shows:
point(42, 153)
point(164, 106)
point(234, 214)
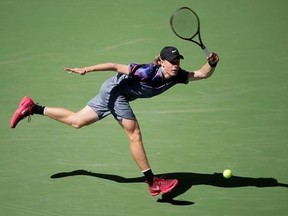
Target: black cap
point(170, 53)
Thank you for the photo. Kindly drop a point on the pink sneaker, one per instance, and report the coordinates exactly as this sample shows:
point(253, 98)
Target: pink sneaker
point(24, 110)
point(161, 185)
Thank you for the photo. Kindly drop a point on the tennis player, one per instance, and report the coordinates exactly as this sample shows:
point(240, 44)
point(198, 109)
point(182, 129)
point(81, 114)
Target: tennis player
point(131, 82)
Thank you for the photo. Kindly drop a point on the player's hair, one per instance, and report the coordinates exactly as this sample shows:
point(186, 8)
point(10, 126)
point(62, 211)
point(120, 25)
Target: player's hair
point(157, 60)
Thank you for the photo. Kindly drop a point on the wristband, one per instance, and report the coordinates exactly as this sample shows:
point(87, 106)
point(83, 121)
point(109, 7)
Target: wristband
point(213, 64)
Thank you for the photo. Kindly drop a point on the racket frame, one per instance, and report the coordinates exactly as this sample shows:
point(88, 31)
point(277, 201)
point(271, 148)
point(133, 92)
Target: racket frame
point(197, 33)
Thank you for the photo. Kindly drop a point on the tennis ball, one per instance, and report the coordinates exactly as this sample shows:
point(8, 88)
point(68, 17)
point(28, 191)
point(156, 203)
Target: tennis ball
point(227, 173)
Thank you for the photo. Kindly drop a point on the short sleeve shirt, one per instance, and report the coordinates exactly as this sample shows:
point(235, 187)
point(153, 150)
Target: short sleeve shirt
point(146, 80)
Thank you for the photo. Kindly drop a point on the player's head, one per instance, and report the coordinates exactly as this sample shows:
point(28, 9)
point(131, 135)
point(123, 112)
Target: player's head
point(170, 54)
point(170, 61)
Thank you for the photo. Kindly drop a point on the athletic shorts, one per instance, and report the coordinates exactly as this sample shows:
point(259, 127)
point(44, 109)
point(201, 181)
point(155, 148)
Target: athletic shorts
point(110, 100)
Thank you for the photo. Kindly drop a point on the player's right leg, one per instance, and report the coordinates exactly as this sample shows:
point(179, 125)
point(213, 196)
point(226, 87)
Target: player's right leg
point(79, 119)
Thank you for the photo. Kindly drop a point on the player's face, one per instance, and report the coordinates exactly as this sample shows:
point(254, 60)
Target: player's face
point(170, 68)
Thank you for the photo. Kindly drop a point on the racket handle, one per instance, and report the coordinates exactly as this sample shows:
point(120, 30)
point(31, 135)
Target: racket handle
point(206, 51)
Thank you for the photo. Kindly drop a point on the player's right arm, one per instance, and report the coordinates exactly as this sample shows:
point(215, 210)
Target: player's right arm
point(206, 70)
point(120, 68)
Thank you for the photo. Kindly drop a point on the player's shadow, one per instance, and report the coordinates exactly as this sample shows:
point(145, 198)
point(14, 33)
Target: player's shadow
point(186, 181)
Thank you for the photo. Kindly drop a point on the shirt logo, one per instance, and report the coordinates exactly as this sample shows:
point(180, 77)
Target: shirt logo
point(173, 51)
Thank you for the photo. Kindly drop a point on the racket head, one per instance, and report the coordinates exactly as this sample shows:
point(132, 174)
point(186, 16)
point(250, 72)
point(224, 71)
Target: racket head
point(185, 23)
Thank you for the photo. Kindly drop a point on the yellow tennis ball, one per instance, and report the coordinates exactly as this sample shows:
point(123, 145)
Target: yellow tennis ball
point(227, 173)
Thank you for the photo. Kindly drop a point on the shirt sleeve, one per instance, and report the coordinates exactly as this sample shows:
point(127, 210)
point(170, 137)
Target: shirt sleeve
point(182, 76)
point(141, 71)
point(132, 68)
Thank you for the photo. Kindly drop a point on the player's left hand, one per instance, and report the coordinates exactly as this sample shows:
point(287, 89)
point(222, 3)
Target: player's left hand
point(80, 71)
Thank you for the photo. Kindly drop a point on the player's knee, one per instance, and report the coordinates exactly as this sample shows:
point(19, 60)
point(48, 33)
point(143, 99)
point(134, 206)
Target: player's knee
point(132, 129)
point(77, 124)
point(135, 136)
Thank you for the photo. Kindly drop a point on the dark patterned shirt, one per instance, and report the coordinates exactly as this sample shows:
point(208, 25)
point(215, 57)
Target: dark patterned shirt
point(146, 80)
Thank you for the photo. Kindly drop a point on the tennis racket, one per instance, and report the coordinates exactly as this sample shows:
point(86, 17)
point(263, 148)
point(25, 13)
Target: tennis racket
point(185, 23)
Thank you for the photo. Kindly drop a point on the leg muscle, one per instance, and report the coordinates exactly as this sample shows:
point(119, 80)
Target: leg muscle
point(132, 129)
point(79, 119)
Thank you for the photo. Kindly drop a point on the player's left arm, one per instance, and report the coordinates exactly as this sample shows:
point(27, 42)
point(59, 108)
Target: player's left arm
point(206, 70)
point(120, 68)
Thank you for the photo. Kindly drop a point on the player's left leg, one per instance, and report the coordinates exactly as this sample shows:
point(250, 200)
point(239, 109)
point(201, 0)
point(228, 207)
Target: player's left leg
point(132, 129)
point(156, 185)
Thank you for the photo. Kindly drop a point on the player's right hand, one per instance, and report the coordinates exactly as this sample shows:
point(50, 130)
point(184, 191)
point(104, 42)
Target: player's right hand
point(213, 59)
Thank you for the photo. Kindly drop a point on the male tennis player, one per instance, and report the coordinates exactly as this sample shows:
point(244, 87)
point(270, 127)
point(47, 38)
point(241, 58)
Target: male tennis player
point(131, 82)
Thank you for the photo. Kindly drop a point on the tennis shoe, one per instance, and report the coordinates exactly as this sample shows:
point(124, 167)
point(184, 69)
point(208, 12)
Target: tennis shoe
point(161, 185)
point(24, 110)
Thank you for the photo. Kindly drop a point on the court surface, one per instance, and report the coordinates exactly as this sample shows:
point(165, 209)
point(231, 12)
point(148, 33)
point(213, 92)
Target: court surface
point(237, 119)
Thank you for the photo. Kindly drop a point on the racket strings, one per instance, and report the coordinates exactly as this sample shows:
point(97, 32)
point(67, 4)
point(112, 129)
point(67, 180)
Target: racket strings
point(185, 24)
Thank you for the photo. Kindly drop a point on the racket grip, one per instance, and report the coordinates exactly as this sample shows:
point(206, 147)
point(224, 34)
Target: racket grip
point(206, 51)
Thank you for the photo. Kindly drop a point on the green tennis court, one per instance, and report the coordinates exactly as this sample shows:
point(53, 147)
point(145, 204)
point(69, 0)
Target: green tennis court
point(237, 119)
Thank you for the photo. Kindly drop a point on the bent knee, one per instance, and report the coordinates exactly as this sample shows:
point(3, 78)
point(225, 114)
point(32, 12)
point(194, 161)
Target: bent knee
point(77, 124)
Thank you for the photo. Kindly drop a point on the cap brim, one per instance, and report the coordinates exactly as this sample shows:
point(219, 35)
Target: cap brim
point(177, 57)
point(172, 58)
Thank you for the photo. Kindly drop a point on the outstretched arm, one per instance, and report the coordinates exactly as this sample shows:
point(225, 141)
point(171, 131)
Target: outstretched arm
point(121, 68)
point(206, 70)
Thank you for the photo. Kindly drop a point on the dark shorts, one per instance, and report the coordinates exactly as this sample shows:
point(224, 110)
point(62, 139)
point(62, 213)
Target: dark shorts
point(111, 101)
